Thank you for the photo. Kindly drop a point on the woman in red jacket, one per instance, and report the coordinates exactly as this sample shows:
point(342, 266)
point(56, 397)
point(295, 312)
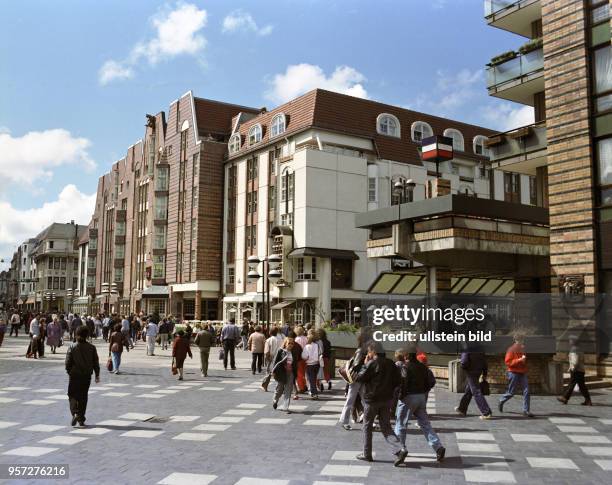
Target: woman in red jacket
point(180, 350)
point(516, 363)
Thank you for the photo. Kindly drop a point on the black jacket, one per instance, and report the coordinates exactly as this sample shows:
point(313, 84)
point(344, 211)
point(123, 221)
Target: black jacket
point(278, 368)
point(381, 377)
point(416, 378)
point(82, 360)
point(474, 363)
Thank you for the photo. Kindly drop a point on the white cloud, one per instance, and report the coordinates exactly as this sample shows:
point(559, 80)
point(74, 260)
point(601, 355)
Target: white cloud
point(112, 70)
point(300, 78)
point(32, 156)
point(177, 32)
point(508, 116)
point(4, 129)
point(241, 21)
point(18, 225)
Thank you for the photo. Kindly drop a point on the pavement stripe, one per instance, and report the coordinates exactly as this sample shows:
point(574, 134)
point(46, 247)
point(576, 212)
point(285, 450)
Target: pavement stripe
point(346, 470)
point(193, 436)
point(555, 463)
point(30, 451)
point(489, 476)
point(63, 440)
point(190, 478)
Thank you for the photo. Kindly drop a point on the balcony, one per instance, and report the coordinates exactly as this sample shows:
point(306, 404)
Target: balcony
point(517, 76)
point(521, 150)
point(513, 15)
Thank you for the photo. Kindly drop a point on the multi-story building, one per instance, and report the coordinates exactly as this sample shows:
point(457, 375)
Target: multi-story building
point(295, 178)
point(563, 70)
point(155, 236)
point(4, 291)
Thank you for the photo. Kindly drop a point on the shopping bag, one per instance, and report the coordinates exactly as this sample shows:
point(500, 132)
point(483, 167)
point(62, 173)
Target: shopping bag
point(174, 369)
point(485, 388)
point(221, 354)
point(109, 364)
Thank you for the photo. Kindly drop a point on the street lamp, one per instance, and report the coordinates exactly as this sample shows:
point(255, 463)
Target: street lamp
point(106, 292)
point(357, 313)
point(273, 274)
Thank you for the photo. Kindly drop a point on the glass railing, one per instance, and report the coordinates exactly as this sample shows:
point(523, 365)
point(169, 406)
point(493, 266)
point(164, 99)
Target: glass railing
point(494, 6)
point(515, 68)
point(520, 141)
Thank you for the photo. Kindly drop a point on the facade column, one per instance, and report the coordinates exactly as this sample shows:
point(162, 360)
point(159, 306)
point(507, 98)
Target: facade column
point(198, 305)
point(323, 302)
point(438, 280)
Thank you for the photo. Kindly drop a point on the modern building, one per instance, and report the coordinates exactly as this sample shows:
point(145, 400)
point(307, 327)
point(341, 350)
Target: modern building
point(564, 70)
point(296, 177)
point(154, 242)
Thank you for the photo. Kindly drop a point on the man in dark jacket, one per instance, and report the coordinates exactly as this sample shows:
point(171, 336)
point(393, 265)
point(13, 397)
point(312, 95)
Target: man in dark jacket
point(380, 377)
point(204, 340)
point(474, 364)
point(81, 362)
point(416, 381)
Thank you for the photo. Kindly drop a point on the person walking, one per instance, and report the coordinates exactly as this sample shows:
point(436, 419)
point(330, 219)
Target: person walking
point(230, 334)
point(180, 349)
point(244, 333)
point(302, 341)
point(312, 354)
point(54, 334)
point(576, 370)
point(416, 381)
point(204, 340)
point(256, 345)
point(284, 369)
point(15, 324)
point(380, 377)
point(273, 343)
point(125, 329)
point(116, 342)
point(2, 330)
point(516, 364)
point(81, 362)
point(35, 335)
point(355, 389)
point(164, 331)
point(151, 332)
point(475, 365)
point(74, 325)
point(106, 326)
point(326, 348)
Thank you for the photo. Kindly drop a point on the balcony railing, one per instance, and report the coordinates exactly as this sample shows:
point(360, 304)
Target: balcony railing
point(519, 142)
point(493, 6)
point(515, 68)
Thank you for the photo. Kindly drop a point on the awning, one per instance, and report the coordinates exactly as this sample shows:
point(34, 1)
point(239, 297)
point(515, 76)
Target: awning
point(31, 300)
point(323, 253)
point(282, 304)
point(20, 302)
point(155, 292)
point(111, 298)
point(281, 231)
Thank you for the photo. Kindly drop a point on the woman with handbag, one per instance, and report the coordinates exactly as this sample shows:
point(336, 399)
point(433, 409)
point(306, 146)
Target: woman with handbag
point(116, 342)
point(312, 355)
point(284, 369)
point(180, 349)
point(474, 364)
point(354, 388)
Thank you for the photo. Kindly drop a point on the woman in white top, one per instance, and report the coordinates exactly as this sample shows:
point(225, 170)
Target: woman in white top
point(311, 355)
point(35, 333)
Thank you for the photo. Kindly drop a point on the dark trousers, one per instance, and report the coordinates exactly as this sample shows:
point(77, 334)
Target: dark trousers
point(15, 328)
point(1, 338)
point(257, 361)
point(370, 411)
point(472, 388)
point(577, 377)
point(311, 377)
point(229, 346)
point(78, 387)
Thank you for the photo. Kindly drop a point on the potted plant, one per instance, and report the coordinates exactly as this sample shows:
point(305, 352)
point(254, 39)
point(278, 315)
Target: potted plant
point(531, 45)
point(506, 56)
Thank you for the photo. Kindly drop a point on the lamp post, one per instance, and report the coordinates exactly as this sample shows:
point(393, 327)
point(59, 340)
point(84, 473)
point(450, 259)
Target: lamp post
point(271, 273)
point(106, 292)
point(114, 292)
point(357, 314)
point(69, 295)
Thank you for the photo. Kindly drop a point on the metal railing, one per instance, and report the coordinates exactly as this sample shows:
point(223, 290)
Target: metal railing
point(520, 141)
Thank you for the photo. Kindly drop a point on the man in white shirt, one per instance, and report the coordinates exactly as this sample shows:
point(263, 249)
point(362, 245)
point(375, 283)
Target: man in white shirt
point(35, 332)
point(273, 343)
point(151, 329)
point(15, 324)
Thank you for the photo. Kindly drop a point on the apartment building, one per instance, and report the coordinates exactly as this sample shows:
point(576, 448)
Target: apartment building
point(296, 177)
point(564, 70)
point(154, 241)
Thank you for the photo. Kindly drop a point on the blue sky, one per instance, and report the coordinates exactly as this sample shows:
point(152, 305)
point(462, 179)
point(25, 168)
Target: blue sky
point(78, 77)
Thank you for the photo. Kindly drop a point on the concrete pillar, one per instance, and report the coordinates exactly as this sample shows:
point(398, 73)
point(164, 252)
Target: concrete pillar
point(323, 302)
point(198, 305)
point(438, 280)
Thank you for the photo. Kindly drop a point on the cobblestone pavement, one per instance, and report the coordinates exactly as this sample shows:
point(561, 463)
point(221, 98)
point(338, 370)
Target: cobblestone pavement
point(144, 427)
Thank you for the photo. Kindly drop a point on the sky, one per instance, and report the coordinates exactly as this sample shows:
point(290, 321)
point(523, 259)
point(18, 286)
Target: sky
point(78, 76)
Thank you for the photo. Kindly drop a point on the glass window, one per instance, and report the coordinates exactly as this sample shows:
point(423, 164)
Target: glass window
point(512, 192)
point(600, 14)
point(57, 262)
point(159, 266)
point(372, 189)
point(255, 134)
point(234, 143)
point(62, 283)
point(118, 274)
point(161, 180)
point(120, 251)
point(278, 125)
point(161, 207)
point(603, 69)
point(230, 275)
point(479, 145)
point(252, 169)
point(604, 157)
point(457, 138)
point(271, 197)
point(420, 130)
point(533, 191)
point(50, 263)
point(388, 125)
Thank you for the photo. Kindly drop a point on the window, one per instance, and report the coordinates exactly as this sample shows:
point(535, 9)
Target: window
point(271, 197)
point(161, 207)
point(49, 282)
point(485, 172)
point(120, 251)
point(287, 185)
point(251, 198)
point(457, 138)
point(255, 134)
point(512, 187)
point(91, 262)
point(231, 275)
point(50, 244)
point(372, 195)
point(387, 124)
point(251, 236)
point(118, 274)
point(62, 283)
point(234, 143)
point(120, 229)
point(161, 181)
point(287, 219)
point(159, 266)
point(479, 145)
point(603, 69)
point(56, 282)
point(196, 168)
point(57, 262)
point(604, 157)
point(454, 168)
point(420, 130)
point(278, 125)
point(306, 269)
point(50, 263)
point(533, 191)
point(194, 259)
point(341, 273)
point(600, 14)
point(252, 168)
point(91, 281)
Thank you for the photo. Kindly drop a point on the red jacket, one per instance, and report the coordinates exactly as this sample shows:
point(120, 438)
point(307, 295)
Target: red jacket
point(513, 360)
point(180, 348)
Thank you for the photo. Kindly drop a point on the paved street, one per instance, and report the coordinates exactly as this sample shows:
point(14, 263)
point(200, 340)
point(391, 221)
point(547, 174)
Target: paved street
point(144, 427)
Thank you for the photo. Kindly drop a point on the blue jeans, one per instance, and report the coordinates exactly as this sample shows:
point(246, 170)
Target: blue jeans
point(517, 380)
point(311, 377)
point(415, 404)
point(116, 357)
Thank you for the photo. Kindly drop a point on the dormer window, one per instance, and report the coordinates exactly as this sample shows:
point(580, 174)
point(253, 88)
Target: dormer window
point(277, 126)
point(479, 145)
point(420, 130)
point(234, 143)
point(457, 137)
point(255, 134)
point(387, 124)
